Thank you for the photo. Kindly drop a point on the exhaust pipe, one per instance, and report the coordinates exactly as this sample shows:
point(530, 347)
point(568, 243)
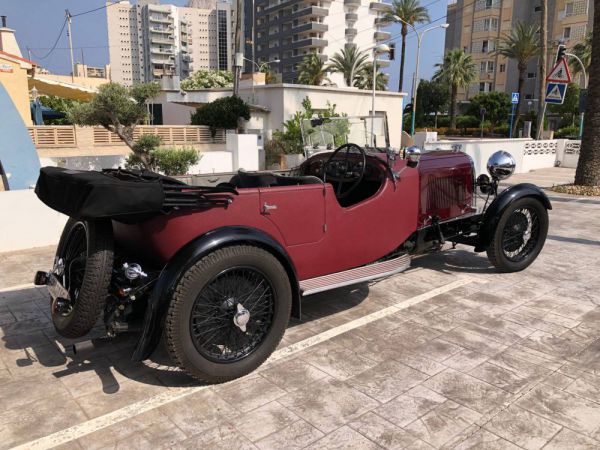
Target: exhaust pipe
point(80, 349)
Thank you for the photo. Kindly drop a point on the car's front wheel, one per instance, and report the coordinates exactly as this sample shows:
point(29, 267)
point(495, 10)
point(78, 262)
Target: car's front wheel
point(519, 236)
point(228, 313)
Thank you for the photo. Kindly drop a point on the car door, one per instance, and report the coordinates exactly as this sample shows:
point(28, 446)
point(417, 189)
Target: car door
point(297, 211)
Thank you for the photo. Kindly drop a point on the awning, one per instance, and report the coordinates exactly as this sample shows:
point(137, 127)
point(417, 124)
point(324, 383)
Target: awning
point(61, 89)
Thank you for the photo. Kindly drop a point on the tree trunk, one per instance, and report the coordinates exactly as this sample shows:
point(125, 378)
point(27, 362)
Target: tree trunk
point(453, 104)
point(521, 90)
point(404, 32)
point(588, 168)
point(542, 69)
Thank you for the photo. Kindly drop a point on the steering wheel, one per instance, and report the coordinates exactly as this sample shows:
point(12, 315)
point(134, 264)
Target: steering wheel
point(342, 170)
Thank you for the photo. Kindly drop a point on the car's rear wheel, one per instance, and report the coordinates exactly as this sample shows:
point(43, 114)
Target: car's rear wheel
point(519, 236)
point(83, 264)
point(228, 313)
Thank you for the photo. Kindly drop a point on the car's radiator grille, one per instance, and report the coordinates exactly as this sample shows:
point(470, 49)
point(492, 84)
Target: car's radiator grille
point(445, 192)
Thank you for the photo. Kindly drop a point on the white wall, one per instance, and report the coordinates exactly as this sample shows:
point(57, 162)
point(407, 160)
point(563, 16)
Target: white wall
point(529, 154)
point(282, 101)
point(26, 222)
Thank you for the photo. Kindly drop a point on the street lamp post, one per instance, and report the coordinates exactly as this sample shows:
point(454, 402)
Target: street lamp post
point(585, 84)
point(416, 75)
point(379, 50)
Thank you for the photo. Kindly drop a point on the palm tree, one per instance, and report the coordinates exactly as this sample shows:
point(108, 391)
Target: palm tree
point(522, 44)
point(312, 70)
point(457, 70)
point(364, 78)
point(583, 51)
point(411, 12)
point(347, 62)
point(588, 167)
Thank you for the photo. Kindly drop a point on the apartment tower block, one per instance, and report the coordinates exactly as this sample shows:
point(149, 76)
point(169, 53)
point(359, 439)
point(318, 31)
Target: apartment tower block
point(283, 32)
point(478, 26)
point(149, 41)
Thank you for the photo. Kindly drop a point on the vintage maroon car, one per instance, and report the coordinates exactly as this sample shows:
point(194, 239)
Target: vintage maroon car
point(217, 271)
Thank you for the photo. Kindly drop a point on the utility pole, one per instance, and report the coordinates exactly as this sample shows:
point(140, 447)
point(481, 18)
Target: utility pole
point(238, 58)
point(68, 14)
point(542, 69)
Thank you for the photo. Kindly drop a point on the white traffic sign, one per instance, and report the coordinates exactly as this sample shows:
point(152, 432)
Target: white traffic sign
point(515, 98)
point(560, 73)
point(555, 93)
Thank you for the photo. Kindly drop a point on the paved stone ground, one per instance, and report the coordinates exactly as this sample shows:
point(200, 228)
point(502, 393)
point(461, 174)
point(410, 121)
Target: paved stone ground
point(480, 361)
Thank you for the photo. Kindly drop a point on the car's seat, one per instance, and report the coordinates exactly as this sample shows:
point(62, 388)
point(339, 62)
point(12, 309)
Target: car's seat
point(245, 179)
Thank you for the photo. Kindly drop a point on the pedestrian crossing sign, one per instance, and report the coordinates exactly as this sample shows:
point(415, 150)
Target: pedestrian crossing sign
point(515, 98)
point(555, 93)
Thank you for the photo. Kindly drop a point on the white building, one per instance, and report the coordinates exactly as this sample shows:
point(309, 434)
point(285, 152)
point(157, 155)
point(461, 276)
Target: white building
point(149, 41)
point(273, 104)
point(287, 31)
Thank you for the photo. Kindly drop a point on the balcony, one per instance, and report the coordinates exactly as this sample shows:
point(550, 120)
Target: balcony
point(162, 40)
point(162, 51)
point(310, 26)
point(311, 11)
point(164, 30)
point(158, 19)
point(355, 3)
point(163, 61)
point(351, 32)
point(310, 42)
point(380, 7)
point(382, 35)
point(352, 17)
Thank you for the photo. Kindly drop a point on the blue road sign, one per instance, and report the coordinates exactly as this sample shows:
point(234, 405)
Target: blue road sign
point(515, 98)
point(555, 93)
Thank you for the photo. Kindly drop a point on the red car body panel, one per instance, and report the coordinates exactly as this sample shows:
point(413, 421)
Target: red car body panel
point(320, 236)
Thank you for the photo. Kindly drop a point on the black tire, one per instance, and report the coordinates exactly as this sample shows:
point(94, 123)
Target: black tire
point(511, 253)
point(89, 288)
point(186, 349)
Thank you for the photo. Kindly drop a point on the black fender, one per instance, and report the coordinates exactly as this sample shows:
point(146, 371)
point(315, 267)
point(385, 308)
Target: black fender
point(501, 202)
point(161, 295)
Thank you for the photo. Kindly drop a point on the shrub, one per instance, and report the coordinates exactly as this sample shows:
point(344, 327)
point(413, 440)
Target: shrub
point(467, 122)
point(170, 161)
point(222, 113)
point(207, 79)
point(443, 121)
point(572, 131)
point(175, 161)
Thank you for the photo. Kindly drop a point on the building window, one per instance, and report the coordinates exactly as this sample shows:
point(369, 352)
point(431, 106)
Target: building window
point(485, 87)
point(222, 39)
point(502, 68)
point(567, 32)
point(531, 75)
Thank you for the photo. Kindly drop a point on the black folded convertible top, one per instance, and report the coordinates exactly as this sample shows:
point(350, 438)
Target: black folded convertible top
point(124, 195)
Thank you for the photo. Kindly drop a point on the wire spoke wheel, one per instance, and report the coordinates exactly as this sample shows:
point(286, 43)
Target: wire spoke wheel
point(232, 314)
point(521, 234)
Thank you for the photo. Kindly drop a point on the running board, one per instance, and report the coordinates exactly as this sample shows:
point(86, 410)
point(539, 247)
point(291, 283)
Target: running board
point(353, 276)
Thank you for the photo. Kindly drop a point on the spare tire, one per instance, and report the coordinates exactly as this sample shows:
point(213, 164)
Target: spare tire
point(83, 264)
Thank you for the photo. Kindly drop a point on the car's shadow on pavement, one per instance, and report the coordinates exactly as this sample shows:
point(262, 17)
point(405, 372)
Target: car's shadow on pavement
point(457, 260)
point(31, 346)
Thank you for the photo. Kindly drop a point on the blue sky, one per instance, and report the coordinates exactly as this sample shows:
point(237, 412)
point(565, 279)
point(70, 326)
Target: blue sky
point(38, 23)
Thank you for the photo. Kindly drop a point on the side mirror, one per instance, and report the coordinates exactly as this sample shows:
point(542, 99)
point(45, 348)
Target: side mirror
point(501, 165)
point(413, 155)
